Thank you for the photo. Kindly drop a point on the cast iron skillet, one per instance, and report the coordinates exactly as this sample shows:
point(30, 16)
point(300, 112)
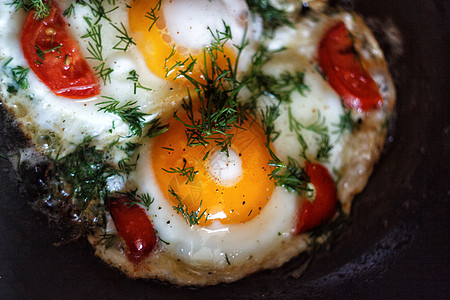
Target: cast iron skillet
point(396, 245)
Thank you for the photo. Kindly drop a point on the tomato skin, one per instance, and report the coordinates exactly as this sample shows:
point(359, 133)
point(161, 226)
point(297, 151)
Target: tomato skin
point(134, 227)
point(64, 70)
point(345, 72)
point(323, 208)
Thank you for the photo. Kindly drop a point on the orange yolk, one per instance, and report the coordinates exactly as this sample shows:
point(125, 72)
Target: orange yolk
point(160, 52)
point(238, 202)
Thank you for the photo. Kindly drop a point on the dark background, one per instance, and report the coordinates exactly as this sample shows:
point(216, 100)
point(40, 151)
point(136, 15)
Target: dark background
point(395, 246)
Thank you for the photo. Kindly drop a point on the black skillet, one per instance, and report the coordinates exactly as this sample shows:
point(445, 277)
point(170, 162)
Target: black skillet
point(396, 245)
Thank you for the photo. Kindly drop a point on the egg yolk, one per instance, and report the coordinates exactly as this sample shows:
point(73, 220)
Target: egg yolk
point(232, 189)
point(162, 55)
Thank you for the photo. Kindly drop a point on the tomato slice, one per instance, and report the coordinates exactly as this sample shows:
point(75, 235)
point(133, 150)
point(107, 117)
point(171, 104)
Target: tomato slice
point(54, 56)
point(323, 207)
point(134, 227)
point(345, 72)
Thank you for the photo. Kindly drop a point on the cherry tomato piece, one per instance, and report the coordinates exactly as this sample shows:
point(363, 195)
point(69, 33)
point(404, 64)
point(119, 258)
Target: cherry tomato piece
point(54, 56)
point(344, 70)
point(134, 227)
point(323, 207)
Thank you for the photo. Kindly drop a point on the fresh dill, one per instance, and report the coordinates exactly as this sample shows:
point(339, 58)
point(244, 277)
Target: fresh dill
point(268, 117)
point(217, 93)
point(69, 11)
point(291, 176)
point(155, 128)
point(323, 152)
point(283, 86)
point(129, 113)
point(227, 259)
point(19, 75)
point(95, 48)
point(86, 170)
point(188, 172)
point(41, 53)
point(152, 14)
point(125, 41)
point(138, 199)
point(98, 10)
point(346, 122)
point(41, 8)
point(272, 16)
point(192, 218)
point(317, 126)
point(134, 77)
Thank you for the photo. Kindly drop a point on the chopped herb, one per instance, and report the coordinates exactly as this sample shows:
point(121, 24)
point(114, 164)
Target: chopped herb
point(152, 14)
point(19, 75)
point(128, 112)
point(268, 121)
point(125, 40)
point(69, 11)
point(95, 48)
point(156, 128)
point(218, 104)
point(293, 178)
point(272, 16)
point(346, 122)
point(189, 172)
point(135, 78)
point(86, 170)
point(226, 258)
point(138, 199)
point(323, 153)
point(192, 218)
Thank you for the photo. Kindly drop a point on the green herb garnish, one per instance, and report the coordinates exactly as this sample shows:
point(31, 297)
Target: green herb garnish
point(192, 218)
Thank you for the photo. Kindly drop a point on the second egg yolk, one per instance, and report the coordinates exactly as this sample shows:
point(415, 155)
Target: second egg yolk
point(162, 55)
point(232, 189)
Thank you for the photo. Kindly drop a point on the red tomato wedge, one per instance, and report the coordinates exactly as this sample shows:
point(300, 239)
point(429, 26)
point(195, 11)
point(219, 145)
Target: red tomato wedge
point(134, 227)
point(323, 207)
point(345, 72)
point(54, 56)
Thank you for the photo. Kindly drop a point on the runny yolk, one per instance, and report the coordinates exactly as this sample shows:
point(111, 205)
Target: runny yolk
point(162, 55)
point(232, 189)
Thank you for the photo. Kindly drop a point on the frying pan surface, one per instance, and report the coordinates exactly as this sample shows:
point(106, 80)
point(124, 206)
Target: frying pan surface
point(396, 244)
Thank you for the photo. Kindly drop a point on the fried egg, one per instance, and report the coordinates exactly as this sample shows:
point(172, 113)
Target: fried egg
point(215, 197)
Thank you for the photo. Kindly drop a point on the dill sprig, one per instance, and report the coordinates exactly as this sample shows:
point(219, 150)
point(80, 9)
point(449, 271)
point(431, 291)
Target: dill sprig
point(152, 14)
point(192, 218)
point(98, 9)
point(317, 126)
point(272, 16)
point(155, 128)
point(283, 86)
point(41, 8)
point(95, 48)
point(134, 77)
point(291, 176)
point(69, 11)
point(346, 122)
point(128, 113)
point(138, 199)
point(323, 152)
point(18, 73)
point(188, 172)
point(268, 117)
point(125, 41)
point(86, 170)
point(217, 97)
